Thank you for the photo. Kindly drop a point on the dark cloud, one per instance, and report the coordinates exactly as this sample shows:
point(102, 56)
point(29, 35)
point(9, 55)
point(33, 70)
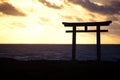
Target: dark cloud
point(51, 5)
point(8, 9)
point(110, 7)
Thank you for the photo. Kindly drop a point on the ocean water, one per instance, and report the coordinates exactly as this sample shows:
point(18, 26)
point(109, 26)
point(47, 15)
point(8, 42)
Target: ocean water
point(58, 52)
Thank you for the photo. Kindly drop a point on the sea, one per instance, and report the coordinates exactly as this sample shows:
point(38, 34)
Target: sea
point(26, 52)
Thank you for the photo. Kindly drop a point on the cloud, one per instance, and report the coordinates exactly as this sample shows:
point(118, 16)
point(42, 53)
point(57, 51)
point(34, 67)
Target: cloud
point(109, 8)
point(8, 9)
point(66, 17)
point(17, 24)
point(51, 4)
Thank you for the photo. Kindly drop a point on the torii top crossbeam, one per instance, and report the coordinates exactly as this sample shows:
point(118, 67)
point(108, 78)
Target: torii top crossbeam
point(105, 23)
point(86, 25)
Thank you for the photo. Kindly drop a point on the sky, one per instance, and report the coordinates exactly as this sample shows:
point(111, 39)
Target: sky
point(40, 21)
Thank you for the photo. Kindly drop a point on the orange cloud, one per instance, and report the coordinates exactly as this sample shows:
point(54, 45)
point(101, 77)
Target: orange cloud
point(51, 4)
point(8, 9)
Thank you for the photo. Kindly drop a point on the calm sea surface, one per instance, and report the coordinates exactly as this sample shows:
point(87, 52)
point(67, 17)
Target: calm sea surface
point(57, 52)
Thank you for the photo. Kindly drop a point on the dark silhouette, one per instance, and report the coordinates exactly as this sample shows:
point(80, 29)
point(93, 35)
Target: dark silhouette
point(86, 25)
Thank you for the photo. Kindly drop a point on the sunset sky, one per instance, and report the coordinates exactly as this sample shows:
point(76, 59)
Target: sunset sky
point(40, 21)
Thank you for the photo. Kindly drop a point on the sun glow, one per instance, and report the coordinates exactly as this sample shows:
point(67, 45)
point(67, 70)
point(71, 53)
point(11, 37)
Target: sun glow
point(42, 22)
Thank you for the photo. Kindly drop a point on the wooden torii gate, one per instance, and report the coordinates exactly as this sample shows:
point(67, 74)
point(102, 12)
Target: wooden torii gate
point(86, 25)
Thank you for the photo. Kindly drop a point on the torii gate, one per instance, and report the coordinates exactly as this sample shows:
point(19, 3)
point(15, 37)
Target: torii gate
point(86, 25)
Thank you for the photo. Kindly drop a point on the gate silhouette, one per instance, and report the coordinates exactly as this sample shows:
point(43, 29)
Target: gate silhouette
point(74, 25)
